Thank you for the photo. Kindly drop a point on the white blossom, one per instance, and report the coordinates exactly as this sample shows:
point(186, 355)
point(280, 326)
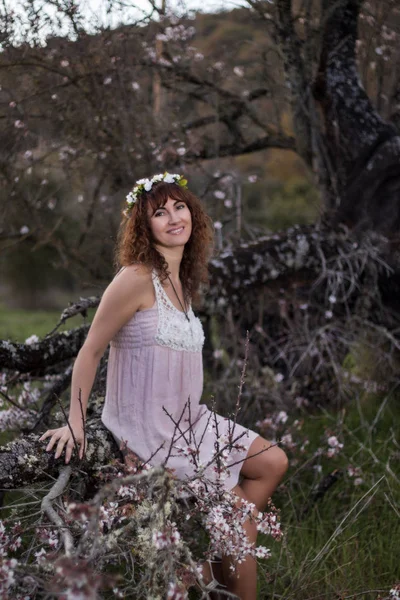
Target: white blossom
point(282, 417)
point(262, 552)
point(168, 179)
point(287, 439)
point(39, 555)
point(333, 441)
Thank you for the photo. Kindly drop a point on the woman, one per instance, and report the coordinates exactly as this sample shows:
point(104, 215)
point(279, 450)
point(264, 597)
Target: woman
point(155, 376)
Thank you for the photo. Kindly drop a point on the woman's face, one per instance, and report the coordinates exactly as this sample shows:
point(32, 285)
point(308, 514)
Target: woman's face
point(171, 224)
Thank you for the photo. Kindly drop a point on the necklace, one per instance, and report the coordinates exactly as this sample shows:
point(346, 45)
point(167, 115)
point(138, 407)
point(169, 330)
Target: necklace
point(179, 300)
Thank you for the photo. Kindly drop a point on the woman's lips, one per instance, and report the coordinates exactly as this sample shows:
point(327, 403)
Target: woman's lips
point(176, 231)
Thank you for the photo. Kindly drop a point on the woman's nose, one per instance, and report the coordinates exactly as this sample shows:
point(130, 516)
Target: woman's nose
point(173, 218)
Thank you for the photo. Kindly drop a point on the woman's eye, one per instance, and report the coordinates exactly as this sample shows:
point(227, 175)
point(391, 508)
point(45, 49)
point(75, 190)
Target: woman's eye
point(181, 206)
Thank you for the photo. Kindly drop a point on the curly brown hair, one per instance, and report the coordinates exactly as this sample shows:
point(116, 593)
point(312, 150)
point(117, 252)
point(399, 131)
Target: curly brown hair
point(135, 243)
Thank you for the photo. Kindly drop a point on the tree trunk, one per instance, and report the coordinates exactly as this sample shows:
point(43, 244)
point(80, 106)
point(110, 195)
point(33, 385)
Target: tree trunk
point(363, 149)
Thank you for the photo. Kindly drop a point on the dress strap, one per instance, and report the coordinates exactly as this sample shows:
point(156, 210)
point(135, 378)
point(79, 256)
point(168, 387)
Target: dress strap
point(162, 296)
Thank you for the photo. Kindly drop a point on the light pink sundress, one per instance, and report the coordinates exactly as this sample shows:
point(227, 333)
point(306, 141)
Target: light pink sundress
point(153, 392)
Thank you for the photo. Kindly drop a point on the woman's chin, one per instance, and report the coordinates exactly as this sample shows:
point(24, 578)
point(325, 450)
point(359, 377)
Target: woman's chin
point(178, 240)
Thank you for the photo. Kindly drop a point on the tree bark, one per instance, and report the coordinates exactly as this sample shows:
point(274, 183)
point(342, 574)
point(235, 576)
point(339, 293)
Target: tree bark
point(49, 351)
point(363, 149)
point(296, 80)
point(25, 461)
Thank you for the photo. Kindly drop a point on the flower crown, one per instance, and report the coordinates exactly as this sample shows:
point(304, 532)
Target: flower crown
point(145, 185)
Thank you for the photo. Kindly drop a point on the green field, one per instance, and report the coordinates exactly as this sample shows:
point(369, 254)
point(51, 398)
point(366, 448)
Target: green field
point(18, 324)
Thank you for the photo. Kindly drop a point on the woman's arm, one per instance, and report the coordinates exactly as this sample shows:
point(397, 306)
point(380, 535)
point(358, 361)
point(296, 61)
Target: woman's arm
point(126, 294)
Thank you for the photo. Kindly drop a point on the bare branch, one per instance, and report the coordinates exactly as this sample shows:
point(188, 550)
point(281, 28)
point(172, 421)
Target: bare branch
point(47, 507)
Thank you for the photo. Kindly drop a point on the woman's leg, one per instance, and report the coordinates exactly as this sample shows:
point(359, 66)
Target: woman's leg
point(242, 581)
point(263, 472)
point(261, 475)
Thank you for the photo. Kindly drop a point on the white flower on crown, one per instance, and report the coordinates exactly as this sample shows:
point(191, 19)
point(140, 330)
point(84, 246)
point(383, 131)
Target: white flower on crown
point(145, 185)
point(169, 178)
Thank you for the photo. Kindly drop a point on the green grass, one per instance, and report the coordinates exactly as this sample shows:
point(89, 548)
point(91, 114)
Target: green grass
point(347, 544)
point(18, 324)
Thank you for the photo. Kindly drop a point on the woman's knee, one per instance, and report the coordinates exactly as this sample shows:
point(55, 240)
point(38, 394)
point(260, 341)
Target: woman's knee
point(280, 461)
point(265, 458)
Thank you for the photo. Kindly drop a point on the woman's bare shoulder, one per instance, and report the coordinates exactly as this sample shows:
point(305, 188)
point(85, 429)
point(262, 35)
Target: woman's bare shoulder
point(123, 297)
point(134, 275)
point(134, 283)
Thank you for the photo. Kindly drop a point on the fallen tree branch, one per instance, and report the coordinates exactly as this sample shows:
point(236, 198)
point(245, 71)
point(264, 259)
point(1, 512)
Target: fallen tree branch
point(76, 308)
point(25, 461)
point(294, 257)
point(50, 351)
point(47, 507)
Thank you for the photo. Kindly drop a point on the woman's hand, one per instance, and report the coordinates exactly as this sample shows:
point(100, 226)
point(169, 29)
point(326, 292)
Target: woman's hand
point(63, 437)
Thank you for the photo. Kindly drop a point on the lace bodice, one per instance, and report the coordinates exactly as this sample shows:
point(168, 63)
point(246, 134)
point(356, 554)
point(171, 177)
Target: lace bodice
point(173, 329)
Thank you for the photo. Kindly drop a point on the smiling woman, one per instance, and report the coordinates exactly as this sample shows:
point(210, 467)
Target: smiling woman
point(151, 214)
point(155, 370)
